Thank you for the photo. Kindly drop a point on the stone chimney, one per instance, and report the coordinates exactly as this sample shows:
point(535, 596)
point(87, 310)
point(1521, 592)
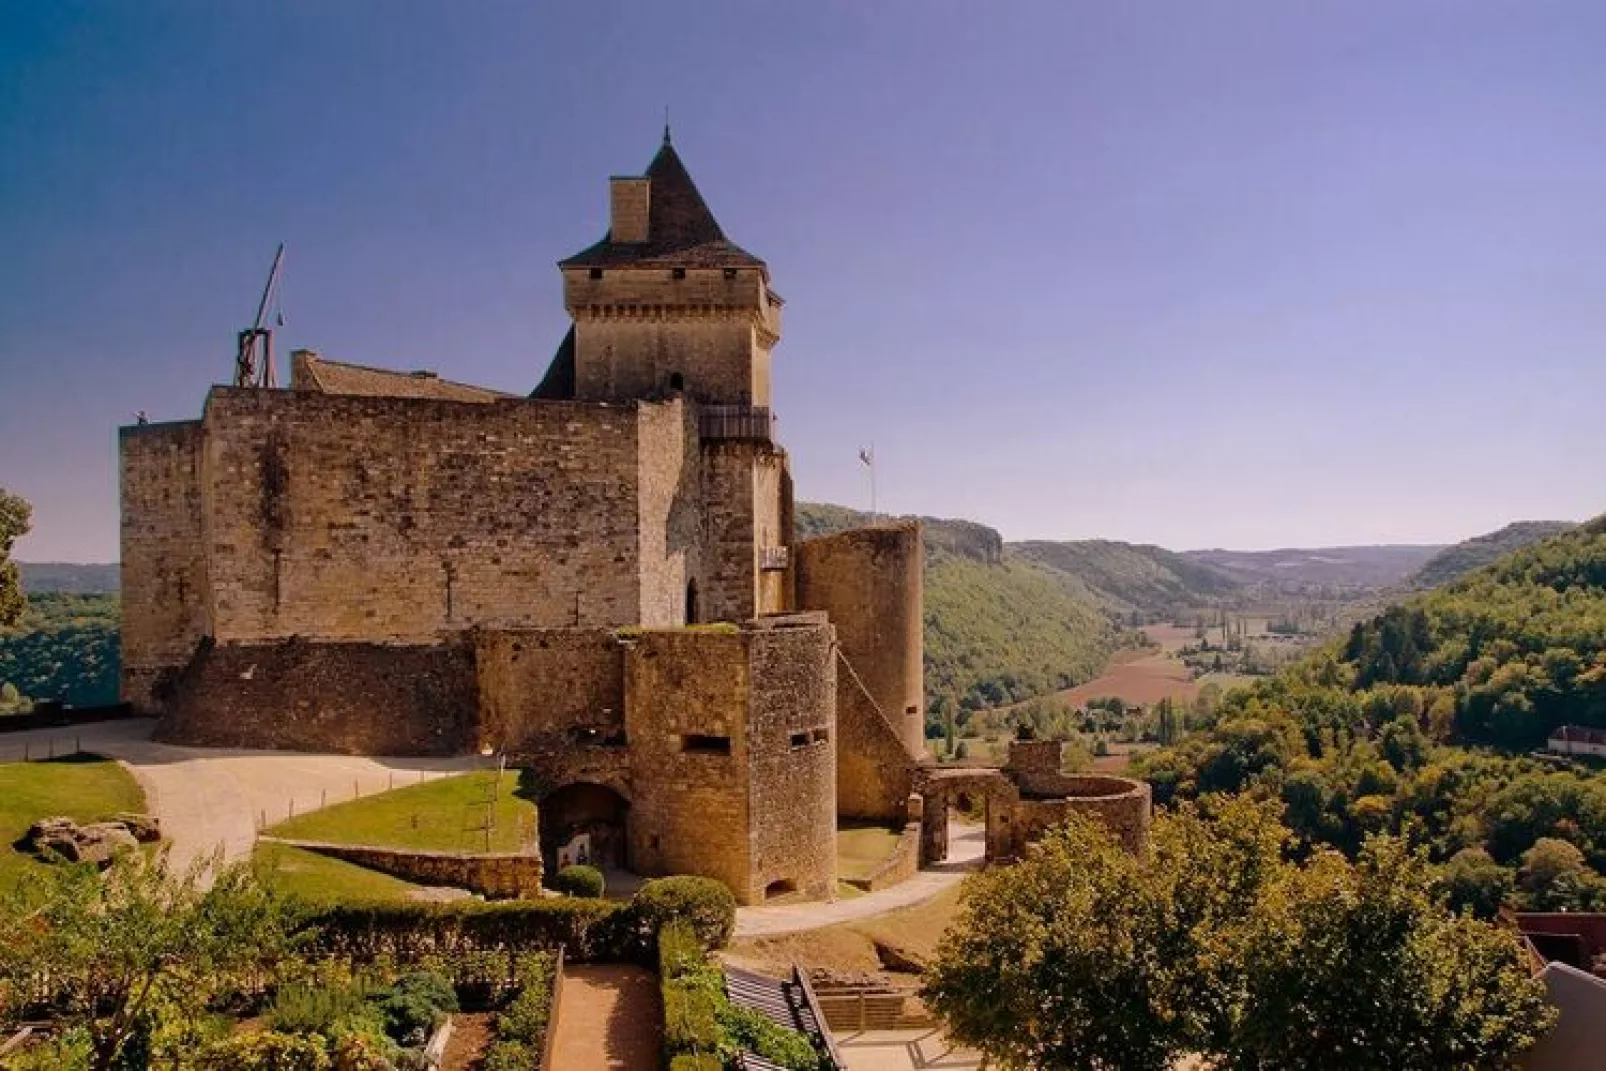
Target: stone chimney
point(629, 200)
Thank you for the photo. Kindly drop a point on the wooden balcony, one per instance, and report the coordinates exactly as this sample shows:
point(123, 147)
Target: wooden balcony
point(754, 422)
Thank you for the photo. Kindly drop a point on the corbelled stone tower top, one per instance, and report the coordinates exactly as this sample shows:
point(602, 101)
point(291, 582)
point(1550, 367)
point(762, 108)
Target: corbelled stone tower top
point(665, 302)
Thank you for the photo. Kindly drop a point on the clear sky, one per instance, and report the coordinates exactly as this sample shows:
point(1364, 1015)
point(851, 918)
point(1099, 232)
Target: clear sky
point(1232, 273)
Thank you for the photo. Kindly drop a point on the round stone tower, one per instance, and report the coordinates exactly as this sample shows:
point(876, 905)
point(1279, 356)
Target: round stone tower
point(871, 582)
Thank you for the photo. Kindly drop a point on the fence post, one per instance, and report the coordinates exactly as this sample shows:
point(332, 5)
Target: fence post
point(325, 802)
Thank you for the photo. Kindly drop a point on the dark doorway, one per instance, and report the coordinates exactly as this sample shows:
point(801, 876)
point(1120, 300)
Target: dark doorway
point(584, 822)
point(691, 602)
point(677, 381)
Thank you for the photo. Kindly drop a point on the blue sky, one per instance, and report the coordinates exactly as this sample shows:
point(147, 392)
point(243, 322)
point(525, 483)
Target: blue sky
point(1233, 273)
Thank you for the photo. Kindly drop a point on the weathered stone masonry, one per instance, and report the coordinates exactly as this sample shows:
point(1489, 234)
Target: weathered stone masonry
point(384, 562)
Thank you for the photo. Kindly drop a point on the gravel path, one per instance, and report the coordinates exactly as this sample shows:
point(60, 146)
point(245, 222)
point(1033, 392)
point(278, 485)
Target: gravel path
point(611, 1019)
point(208, 798)
point(966, 848)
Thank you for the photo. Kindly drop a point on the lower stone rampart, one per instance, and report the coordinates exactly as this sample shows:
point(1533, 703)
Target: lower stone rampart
point(900, 866)
point(494, 876)
point(349, 698)
point(1121, 804)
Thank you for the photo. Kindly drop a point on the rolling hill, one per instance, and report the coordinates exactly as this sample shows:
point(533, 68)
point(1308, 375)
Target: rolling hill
point(39, 578)
point(1322, 572)
point(1457, 561)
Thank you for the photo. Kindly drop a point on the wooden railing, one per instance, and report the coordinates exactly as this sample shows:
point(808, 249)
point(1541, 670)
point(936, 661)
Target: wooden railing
point(736, 422)
point(851, 1013)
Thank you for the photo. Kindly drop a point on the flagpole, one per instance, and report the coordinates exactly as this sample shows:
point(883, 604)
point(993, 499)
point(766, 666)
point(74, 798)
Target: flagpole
point(871, 465)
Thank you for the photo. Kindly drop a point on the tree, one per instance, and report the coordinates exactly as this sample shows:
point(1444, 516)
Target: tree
point(1554, 877)
point(15, 520)
point(1084, 956)
point(1359, 966)
point(138, 947)
point(1474, 882)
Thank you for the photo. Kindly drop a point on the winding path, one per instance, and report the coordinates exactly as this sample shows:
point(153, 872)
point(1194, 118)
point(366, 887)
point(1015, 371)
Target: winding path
point(966, 848)
point(212, 798)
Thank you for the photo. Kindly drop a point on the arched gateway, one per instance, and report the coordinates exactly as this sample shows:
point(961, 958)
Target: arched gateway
point(584, 822)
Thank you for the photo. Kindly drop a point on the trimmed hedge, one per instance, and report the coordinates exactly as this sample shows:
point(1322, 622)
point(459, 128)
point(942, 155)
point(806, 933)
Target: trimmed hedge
point(707, 905)
point(577, 880)
point(693, 990)
point(588, 931)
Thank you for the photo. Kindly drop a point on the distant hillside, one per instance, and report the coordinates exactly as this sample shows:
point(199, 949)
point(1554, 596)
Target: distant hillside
point(1325, 572)
point(1453, 563)
point(998, 628)
point(1127, 577)
point(64, 648)
point(39, 578)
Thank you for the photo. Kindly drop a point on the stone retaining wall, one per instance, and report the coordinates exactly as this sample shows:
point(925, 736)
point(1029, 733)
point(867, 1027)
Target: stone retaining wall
point(494, 876)
point(898, 867)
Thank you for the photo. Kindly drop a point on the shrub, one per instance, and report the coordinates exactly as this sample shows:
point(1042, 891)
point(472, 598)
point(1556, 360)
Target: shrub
point(752, 1032)
point(705, 904)
point(578, 881)
point(693, 991)
point(513, 1056)
point(315, 1009)
point(687, 1062)
point(268, 1050)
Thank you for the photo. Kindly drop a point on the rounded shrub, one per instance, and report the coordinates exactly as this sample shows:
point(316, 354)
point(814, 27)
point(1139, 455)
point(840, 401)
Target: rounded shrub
point(578, 880)
point(704, 904)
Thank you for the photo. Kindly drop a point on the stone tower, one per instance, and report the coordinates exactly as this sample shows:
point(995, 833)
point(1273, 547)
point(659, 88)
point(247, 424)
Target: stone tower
point(665, 303)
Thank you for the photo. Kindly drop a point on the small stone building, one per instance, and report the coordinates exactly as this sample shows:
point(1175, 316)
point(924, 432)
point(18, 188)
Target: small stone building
point(599, 580)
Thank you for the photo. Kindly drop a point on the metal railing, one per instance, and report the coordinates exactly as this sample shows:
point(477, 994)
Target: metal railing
point(774, 559)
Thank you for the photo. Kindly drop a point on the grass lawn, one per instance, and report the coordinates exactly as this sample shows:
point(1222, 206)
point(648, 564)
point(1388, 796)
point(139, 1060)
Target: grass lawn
point(445, 815)
point(860, 849)
point(319, 879)
point(82, 787)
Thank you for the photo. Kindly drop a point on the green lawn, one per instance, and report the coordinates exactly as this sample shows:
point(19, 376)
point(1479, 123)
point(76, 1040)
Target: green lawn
point(319, 879)
point(445, 815)
point(860, 849)
point(82, 787)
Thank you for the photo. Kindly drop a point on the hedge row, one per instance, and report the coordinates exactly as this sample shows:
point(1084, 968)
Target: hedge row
point(693, 991)
point(588, 930)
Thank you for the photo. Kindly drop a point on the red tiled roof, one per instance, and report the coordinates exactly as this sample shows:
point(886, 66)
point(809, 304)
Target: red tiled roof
point(681, 231)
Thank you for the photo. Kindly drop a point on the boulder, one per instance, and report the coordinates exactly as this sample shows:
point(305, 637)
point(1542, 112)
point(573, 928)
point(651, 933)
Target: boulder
point(101, 842)
point(47, 828)
point(145, 827)
point(54, 844)
point(897, 959)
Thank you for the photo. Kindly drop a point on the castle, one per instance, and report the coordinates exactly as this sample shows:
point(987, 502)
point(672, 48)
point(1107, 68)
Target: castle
point(599, 581)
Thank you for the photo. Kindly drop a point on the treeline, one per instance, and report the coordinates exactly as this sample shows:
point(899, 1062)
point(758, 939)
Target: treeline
point(1391, 731)
point(65, 648)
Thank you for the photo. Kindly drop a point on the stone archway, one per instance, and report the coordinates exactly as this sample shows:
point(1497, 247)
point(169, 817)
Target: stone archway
point(944, 789)
point(592, 816)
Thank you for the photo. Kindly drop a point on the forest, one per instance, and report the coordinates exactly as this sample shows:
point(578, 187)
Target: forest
point(65, 647)
point(1421, 721)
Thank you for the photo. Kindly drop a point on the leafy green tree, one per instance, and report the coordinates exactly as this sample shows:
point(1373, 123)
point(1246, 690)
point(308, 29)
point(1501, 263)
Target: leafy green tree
point(1085, 956)
point(138, 946)
point(1359, 966)
point(16, 518)
point(1474, 882)
point(1554, 877)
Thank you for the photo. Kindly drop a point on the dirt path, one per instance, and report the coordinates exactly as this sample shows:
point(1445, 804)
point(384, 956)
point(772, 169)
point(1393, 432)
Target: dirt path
point(610, 1020)
point(967, 844)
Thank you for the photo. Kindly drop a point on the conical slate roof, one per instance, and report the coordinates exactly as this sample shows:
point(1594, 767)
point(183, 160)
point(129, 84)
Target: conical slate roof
point(681, 231)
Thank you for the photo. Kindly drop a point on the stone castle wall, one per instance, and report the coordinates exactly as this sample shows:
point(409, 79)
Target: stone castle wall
point(793, 743)
point(870, 581)
point(685, 695)
point(363, 518)
point(349, 698)
point(163, 558)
